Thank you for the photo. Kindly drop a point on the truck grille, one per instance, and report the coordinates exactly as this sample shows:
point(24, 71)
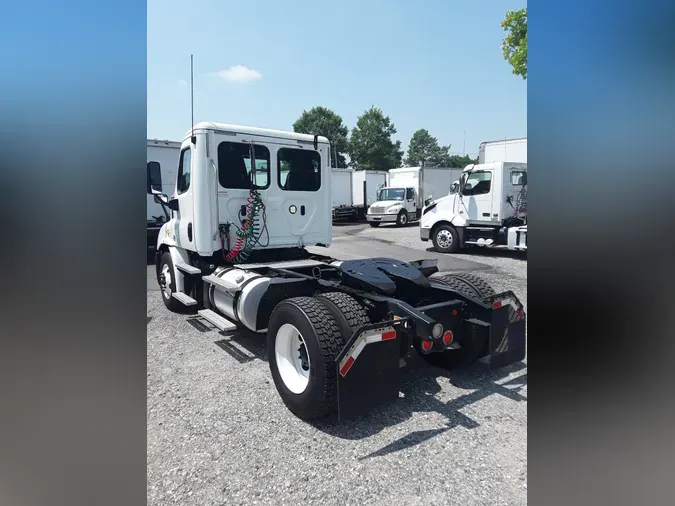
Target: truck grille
point(377, 210)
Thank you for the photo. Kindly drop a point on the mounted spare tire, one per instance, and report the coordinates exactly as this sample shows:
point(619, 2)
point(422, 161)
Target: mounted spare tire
point(303, 342)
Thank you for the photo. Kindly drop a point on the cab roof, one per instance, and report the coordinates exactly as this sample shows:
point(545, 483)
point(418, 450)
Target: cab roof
point(264, 132)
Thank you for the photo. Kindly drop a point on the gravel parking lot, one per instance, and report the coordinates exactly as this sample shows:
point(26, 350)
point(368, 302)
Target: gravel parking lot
point(218, 433)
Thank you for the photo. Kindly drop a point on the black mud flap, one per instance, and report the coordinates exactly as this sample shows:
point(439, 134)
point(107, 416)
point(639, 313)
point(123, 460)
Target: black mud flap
point(507, 332)
point(368, 369)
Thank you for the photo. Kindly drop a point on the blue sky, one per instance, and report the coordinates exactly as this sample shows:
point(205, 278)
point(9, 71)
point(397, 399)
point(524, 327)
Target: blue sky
point(427, 64)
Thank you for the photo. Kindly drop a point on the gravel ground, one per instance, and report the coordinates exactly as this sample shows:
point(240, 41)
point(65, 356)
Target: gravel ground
point(218, 433)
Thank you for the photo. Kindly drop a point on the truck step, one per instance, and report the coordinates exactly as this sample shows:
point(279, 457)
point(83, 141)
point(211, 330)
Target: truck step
point(184, 298)
point(283, 265)
point(484, 229)
point(189, 269)
point(217, 320)
point(216, 281)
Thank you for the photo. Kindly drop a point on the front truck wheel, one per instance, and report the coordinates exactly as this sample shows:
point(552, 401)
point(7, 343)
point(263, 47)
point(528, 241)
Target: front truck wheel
point(445, 239)
point(167, 283)
point(474, 340)
point(303, 342)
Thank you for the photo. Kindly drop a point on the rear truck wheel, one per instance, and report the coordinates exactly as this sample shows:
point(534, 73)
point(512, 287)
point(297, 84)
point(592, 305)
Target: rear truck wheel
point(445, 239)
point(303, 342)
point(374, 223)
point(167, 283)
point(474, 340)
point(402, 219)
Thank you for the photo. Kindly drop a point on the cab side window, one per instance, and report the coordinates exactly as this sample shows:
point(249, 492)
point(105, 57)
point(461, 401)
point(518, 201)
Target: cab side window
point(184, 167)
point(478, 183)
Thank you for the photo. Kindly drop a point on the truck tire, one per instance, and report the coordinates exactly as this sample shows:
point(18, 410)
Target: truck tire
point(476, 286)
point(348, 313)
point(402, 219)
point(374, 223)
point(306, 377)
point(167, 283)
point(476, 344)
point(445, 239)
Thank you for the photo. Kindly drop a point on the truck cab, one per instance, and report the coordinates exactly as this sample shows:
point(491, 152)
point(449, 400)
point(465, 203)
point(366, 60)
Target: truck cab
point(394, 205)
point(488, 207)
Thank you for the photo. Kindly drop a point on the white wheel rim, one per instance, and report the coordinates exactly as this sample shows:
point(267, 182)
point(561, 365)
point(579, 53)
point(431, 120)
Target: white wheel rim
point(293, 370)
point(404, 219)
point(444, 239)
point(166, 289)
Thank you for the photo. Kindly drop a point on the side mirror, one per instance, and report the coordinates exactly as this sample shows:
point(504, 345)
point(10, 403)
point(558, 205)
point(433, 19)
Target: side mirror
point(427, 201)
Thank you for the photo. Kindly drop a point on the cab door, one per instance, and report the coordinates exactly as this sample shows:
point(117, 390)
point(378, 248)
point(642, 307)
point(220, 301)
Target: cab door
point(184, 195)
point(302, 189)
point(476, 206)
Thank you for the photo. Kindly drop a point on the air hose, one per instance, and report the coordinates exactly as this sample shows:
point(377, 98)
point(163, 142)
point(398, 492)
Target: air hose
point(249, 233)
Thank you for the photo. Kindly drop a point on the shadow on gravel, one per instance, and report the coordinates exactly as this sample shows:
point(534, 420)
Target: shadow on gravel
point(242, 345)
point(419, 386)
point(492, 253)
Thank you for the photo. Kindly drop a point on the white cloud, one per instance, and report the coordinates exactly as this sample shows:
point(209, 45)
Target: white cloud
point(239, 74)
point(182, 82)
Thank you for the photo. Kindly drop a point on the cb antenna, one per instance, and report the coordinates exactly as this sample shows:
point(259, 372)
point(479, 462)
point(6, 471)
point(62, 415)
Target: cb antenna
point(193, 139)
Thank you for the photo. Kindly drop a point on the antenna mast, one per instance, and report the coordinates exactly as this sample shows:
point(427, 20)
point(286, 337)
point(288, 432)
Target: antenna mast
point(192, 101)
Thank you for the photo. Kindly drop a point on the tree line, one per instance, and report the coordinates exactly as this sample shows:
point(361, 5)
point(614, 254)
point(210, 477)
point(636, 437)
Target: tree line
point(370, 145)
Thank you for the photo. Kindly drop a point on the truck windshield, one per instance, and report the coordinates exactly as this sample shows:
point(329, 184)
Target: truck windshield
point(391, 194)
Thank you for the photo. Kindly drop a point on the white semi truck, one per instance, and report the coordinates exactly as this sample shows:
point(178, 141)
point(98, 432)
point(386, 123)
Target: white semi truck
point(354, 191)
point(247, 203)
point(161, 172)
point(489, 209)
point(407, 190)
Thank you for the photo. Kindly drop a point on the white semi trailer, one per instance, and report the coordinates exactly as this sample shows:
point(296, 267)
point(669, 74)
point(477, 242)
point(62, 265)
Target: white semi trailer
point(247, 202)
point(505, 150)
point(354, 191)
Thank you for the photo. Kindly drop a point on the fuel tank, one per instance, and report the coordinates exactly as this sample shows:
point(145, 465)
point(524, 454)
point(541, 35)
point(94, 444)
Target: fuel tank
point(240, 302)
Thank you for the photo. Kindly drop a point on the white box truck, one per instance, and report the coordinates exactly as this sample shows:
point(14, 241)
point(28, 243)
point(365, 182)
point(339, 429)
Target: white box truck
point(162, 168)
point(343, 207)
point(407, 190)
point(488, 210)
point(506, 150)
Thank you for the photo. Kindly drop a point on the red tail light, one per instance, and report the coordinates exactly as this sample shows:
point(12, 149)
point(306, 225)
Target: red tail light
point(448, 337)
point(426, 345)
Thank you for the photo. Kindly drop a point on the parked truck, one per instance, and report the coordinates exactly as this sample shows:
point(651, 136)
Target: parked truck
point(352, 195)
point(161, 172)
point(505, 150)
point(341, 183)
point(407, 190)
point(489, 209)
point(336, 330)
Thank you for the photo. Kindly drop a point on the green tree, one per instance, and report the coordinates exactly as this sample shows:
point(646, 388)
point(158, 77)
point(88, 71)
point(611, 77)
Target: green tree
point(514, 46)
point(323, 121)
point(371, 146)
point(425, 147)
point(455, 161)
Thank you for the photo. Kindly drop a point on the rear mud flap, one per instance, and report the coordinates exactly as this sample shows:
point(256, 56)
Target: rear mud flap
point(507, 332)
point(368, 369)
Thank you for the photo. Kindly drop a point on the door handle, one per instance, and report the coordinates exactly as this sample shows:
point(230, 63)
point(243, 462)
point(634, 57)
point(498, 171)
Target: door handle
point(486, 214)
